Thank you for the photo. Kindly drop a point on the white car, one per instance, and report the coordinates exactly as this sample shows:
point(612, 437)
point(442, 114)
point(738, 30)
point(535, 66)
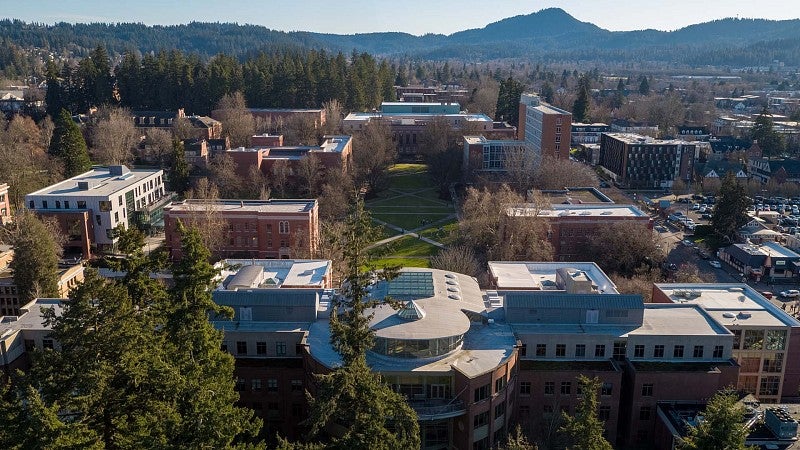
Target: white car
point(715, 264)
point(792, 293)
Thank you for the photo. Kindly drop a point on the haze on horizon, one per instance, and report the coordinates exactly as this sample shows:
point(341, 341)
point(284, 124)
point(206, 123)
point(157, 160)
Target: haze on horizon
point(410, 16)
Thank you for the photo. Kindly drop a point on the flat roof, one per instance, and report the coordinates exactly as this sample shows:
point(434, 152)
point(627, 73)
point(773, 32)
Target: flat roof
point(101, 180)
point(286, 110)
point(364, 116)
point(576, 195)
point(473, 140)
point(550, 109)
point(31, 316)
point(272, 273)
point(633, 138)
point(521, 275)
point(730, 304)
point(260, 206)
point(576, 210)
point(678, 320)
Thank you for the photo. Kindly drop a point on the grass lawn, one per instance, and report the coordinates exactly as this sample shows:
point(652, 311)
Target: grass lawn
point(401, 262)
point(448, 235)
point(407, 220)
point(406, 246)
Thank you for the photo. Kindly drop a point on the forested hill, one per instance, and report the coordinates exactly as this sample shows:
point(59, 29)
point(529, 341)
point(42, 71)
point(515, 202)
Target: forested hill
point(550, 34)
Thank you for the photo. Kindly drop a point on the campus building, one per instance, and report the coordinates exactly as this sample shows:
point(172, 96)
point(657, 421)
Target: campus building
point(334, 153)
point(641, 162)
point(248, 228)
point(571, 226)
point(489, 158)
point(5, 205)
point(279, 117)
point(544, 128)
point(408, 120)
point(88, 206)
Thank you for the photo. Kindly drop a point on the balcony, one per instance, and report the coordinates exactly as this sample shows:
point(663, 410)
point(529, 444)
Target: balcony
point(435, 409)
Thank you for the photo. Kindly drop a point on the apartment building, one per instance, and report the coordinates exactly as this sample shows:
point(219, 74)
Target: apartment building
point(544, 128)
point(89, 206)
point(641, 162)
point(248, 228)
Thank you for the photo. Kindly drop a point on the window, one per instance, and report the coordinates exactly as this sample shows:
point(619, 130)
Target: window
point(105, 206)
point(297, 385)
point(116, 216)
point(769, 385)
point(31, 205)
point(698, 351)
point(261, 348)
point(525, 388)
point(98, 219)
point(644, 413)
point(272, 385)
point(561, 350)
point(66, 204)
point(239, 385)
point(638, 351)
point(547, 409)
point(776, 339)
point(499, 409)
point(604, 412)
point(620, 349)
point(280, 348)
point(599, 351)
point(658, 351)
point(718, 351)
point(283, 227)
point(480, 419)
point(119, 200)
point(773, 362)
point(241, 347)
point(647, 390)
point(677, 351)
point(580, 350)
point(566, 387)
point(541, 349)
point(297, 410)
point(549, 388)
point(523, 350)
point(606, 389)
point(737, 338)
point(499, 384)
point(47, 343)
point(482, 392)
point(255, 384)
point(753, 339)
point(482, 444)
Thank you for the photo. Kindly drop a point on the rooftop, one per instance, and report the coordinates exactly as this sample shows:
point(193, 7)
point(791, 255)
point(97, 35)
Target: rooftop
point(259, 206)
point(285, 110)
point(519, 275)
point(678, 320)
point(576, 195)
point(30, 317)
point(731, 304)
point(101, 181)
point(272, 273)
point(473, 140)
point(632, 138)
point(771, 249)
point(576, 210)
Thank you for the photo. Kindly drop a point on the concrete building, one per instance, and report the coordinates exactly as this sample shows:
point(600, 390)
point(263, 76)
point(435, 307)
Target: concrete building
point(765, 337)
point(88, 206)
point(249, 228)
point(544, 128)
point(487, 158)
point(334, 153)
point(572, 225)
point(25, 332)
point(407, 122)
point(69, 275)
point(5, 205)
point(633, 127)
point(641, 162)
point(587, 133)
point(432, 94)
point(570, 320)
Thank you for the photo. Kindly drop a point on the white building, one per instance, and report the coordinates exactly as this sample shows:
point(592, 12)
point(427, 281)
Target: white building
point(105, 197)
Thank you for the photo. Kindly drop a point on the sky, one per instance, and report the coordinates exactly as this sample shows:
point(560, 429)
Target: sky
point(410, 16)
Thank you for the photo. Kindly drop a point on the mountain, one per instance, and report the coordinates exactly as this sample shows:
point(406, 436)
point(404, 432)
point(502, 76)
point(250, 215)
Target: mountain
point(550, 34)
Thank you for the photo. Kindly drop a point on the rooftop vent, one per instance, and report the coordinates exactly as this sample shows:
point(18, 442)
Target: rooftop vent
point(744, 315)
point(118, 170)
point(84, 185)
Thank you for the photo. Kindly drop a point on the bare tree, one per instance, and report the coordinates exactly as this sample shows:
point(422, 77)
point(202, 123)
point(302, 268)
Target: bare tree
point(300, 130)
point(158, 146)
point(520, 167)
point(624, 248)
point(484, 97)
point(223, 174)
point(336, 194)
point(237, 121)
point(373, 153)
point(553, 173)
point(279, 177)
point(24, 163)
point(204, 215)
point(114, 136)
point(460, 259)
point(46, 127)
point(334, 112)
point(256, 185)
point(309, 175)
point(182, 128)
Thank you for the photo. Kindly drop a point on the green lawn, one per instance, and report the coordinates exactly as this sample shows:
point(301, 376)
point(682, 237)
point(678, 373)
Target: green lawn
point(448, 234)
point(407, 220)
point(401, 262)
point(406, 246)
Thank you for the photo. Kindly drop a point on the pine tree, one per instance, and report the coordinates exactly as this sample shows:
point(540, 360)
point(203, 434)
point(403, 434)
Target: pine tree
point(179, 169)
point(584, 430)
point(771, 142)
point(68, 144)
point(644, 86)
point(580, 109)
point(508, 101)
point(36, 252)
point(722, 426)
point(730, 212)
point(373, 416)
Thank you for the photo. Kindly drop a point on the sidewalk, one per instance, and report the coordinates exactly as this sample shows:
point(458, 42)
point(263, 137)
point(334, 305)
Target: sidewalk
point(412, 233)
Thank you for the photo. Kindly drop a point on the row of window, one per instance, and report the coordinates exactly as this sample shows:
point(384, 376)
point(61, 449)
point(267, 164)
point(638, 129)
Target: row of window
point(80, 204)
point(619, 349)
point(261, 348)
point(606, 389)
point(483, 418)
point(270, 386)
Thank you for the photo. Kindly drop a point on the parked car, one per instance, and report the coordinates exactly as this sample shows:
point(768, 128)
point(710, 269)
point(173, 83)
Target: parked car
point(767, 294)
point(687, 242)
point(715, 264)
point(791, 293)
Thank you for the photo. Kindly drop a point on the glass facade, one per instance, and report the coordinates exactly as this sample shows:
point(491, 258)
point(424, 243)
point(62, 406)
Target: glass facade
point(417, 348)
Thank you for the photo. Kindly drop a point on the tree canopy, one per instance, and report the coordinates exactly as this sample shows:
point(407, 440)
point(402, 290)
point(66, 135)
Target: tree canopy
point(730, 212)
point(721, 427)
point(68, 144)
point(584, 430)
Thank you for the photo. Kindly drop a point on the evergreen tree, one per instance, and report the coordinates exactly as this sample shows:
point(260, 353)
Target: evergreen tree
point(644, 86)
point(547, 92)
point(584, 430)
point(771, 142)
point(36, 252)
point(179, 169)
point(371, 414)
point(730, 213)
point(722, 426)
point(508, 101)
point(68, 144)
point(580, 109)
point(205, 397)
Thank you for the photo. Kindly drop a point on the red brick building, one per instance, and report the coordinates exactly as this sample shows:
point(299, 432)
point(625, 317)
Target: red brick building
point(334, 153)
point(544, 128)
point(279, 116)
point(252, 228)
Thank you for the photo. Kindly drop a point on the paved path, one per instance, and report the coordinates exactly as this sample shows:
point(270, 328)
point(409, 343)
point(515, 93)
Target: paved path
point(412, 233)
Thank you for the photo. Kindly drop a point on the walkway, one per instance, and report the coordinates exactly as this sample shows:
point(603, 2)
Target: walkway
point(412, 233)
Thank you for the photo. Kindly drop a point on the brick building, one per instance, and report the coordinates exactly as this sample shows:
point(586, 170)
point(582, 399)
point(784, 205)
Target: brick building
point(69, 276)
point(277, 117)
point(641, 162)
point(5, 204)
point(572, 225)
point(200, 127)
point(334, 153)
point(251, 228)
point(544, 128)
point(489, 157)
point(432, 94)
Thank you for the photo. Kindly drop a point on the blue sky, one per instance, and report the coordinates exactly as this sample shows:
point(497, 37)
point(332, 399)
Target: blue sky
point(411, 16)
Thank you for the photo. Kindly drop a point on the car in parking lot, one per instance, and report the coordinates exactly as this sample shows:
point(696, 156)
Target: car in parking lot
point(791, 293)
point(687, 242)
point(767, 294)
point(661, 228)
point(715, 264)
